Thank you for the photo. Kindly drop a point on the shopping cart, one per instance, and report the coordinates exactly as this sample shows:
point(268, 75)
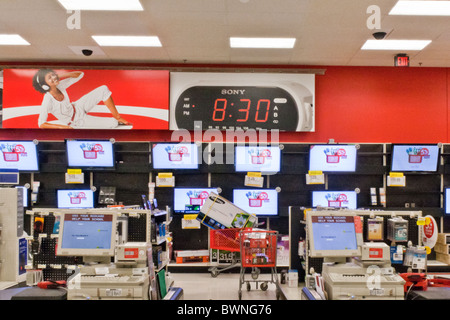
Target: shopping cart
point(258, 250)
point(228, 240)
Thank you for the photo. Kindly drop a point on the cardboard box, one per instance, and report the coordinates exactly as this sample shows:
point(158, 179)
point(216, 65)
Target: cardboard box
point(445, 258)
point(443, 238)
point(219, 213)
point(442, 248)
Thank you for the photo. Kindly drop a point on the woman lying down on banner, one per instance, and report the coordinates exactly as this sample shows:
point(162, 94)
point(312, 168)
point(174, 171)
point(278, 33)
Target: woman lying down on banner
point(72, 114)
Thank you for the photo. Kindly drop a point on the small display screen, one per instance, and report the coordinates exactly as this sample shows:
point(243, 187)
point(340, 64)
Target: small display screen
point(75, 199)
point(19, 155)
point(257, 159)
point(190, 200)
point(332, 158)
point(447, 200)
point(335, 199)
point(262, 202)
point(423, 158)
point(25, 196)
point(175, 156)
point(234, 107)
point(334, 233)
point(87, 231)
point(90, 154)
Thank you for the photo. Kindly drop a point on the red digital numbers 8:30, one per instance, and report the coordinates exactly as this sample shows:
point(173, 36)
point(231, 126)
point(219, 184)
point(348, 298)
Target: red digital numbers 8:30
point(261, 114)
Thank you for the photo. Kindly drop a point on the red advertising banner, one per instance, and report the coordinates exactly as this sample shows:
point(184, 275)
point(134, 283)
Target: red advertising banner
point(85, 99)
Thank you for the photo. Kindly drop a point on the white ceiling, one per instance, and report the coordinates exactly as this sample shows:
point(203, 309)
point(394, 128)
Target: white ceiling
point(328, 32)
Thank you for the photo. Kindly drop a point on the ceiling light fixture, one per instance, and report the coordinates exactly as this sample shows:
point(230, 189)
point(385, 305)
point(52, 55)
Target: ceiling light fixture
point(421, 8)
point(276, 43)
point(395, 44)
point(102, 5)
point(127, 41)
point(13, 40)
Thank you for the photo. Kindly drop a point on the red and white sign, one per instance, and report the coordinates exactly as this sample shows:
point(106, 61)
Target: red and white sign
point(141, 98)
point(430, 232)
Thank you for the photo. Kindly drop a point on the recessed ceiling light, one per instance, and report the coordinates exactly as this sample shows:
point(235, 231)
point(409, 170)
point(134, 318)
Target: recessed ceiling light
point(395, 44)
point(277, 43)
point(421, 8)
point(127, 41)
point(104, 5)
point(13, 40)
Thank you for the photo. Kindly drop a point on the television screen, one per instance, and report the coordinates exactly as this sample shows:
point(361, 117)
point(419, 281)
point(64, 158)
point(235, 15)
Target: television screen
point(336, 199)
point(19, 155)
point(190, 200)
point(332, 158)
point(75, 199)
point(332, 234)
point(447, 201)
point(90, 154)
point(262, 202)
point(257, 159)
point(175, 156)
point(415, 158)
point(87, 234)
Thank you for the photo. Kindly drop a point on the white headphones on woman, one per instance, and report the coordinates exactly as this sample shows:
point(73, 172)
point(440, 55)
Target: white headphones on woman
point(44, 86)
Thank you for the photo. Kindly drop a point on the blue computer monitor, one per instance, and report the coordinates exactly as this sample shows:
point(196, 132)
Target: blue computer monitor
point(87, 234)
point(333, 234)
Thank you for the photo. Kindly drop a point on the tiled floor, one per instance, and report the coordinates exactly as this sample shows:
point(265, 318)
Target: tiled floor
point(202, 286)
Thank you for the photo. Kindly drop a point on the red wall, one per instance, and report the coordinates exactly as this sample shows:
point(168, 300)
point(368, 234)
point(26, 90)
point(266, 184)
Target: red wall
point(353, 104)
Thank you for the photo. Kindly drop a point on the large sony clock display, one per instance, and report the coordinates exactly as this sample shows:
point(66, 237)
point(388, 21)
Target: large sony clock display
point(228, 101)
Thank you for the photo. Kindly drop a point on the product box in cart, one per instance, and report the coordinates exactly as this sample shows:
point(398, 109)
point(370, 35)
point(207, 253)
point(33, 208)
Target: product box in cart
point(219, 213)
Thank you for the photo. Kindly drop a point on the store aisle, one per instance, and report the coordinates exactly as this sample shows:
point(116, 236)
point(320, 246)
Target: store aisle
point(202, 286)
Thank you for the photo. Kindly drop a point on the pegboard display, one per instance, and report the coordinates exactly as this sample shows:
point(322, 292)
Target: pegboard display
point(44, 239)
point(134, 172)
point(414, 235)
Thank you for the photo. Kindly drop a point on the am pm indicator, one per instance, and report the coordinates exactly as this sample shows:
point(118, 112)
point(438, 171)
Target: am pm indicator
point(401, 60)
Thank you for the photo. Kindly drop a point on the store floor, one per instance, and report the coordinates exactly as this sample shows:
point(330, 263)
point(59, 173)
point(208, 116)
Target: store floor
point(202, 286)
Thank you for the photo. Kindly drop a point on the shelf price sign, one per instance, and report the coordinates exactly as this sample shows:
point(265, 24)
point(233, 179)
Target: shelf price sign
point(396, 179)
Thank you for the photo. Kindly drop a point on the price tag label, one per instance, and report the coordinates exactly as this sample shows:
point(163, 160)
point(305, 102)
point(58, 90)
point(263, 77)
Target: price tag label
point(189, 221)
point(396, 179)
point(74, 176)
point(165, 179)
point(315, 177)
point(254, 179)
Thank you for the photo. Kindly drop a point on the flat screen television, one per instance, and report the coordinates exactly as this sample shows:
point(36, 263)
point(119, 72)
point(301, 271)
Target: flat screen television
point(90, 154)
point(335, 199)
point(175, 156)
point(332, 158)
point(19, 155)
point(87, 234)
point(265, 159)
point(415, 158)
point(75, 199)
point(261, 202)
point(190, 200)
point(332, 234)
point(447, 201)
